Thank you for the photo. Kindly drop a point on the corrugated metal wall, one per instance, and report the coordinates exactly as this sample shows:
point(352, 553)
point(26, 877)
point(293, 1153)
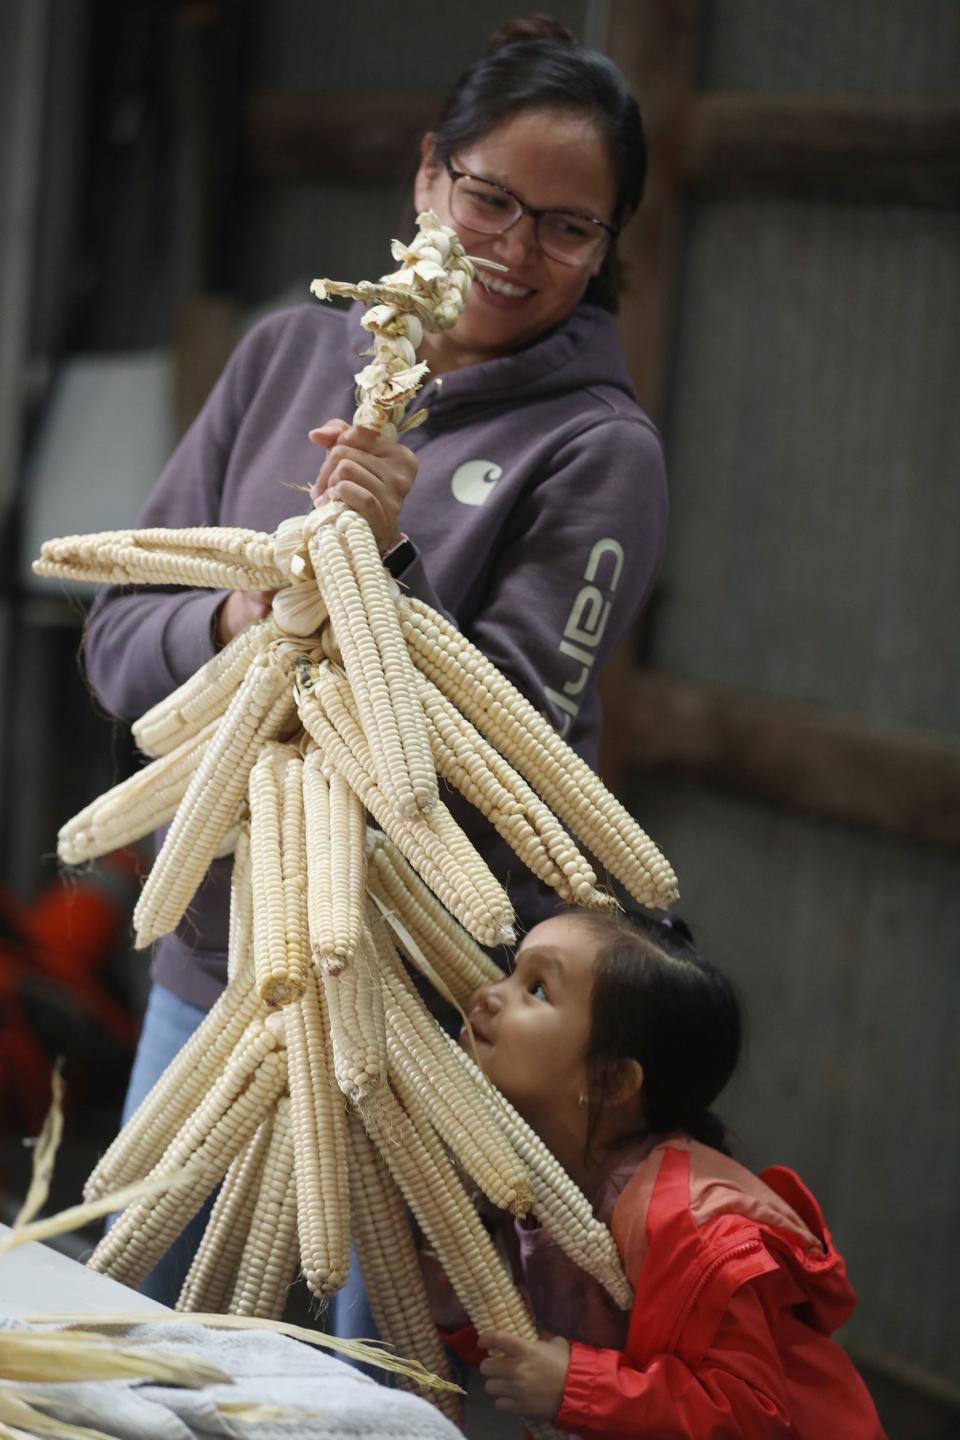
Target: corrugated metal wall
point(813, 555)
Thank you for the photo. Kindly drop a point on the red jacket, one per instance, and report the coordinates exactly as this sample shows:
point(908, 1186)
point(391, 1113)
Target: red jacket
point(737, 1291)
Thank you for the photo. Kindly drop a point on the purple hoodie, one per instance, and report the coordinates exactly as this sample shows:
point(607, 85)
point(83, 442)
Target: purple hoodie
point(538, 514)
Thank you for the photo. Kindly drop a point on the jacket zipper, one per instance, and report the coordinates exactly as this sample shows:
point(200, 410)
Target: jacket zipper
point(745, 1247)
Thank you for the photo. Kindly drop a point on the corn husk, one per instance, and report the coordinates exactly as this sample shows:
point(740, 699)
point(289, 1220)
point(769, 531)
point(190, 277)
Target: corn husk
point(367, 1352)
point(44, 1152)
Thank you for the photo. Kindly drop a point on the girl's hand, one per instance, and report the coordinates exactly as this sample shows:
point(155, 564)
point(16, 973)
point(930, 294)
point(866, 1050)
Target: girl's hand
point(528, 1376)
point(370, 474)
point(239, 610)
point(445, 1308)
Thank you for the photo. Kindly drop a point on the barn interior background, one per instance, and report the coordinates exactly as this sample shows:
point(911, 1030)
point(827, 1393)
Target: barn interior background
point(786, 720)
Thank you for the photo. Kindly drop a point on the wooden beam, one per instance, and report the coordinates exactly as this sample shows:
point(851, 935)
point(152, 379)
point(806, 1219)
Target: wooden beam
point(893, 778)
point(845, 148)
point(654, 43)
point(367, 138)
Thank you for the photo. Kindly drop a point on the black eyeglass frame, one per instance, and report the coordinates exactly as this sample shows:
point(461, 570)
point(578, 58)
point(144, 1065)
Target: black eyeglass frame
point(611, 231)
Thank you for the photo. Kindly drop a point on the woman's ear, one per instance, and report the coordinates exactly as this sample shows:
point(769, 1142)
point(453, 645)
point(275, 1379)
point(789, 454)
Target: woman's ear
point(427, 172)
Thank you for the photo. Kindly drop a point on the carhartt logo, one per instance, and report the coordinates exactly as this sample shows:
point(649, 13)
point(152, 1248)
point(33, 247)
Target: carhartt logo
point(586, 623)
point(472, 482)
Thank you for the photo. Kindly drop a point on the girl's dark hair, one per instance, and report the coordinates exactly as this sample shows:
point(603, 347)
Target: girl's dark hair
point(657, 1001)
point(537, 64)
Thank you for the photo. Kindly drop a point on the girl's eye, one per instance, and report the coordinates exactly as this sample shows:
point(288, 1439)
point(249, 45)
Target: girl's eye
point(539, 990)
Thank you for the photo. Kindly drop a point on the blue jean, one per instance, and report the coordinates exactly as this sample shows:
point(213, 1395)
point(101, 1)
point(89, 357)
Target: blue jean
point(168, 1024)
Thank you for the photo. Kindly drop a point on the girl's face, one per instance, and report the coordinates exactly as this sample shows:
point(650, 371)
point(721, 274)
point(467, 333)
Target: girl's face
point(550, 160)
point(532, 1027)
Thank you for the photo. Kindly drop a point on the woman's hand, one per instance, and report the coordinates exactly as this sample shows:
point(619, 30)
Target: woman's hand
point(528, 1376)
point(370, 474)
point(445, 1308)
point(239, 610)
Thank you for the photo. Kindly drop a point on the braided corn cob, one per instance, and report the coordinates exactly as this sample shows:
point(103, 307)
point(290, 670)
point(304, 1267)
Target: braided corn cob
point(388, 1259)
point(205, 696)
point(532, 746)
point(319, 1121)
point(258, 712)
point(336, 863)
point(210, 1279)
point(216, 559)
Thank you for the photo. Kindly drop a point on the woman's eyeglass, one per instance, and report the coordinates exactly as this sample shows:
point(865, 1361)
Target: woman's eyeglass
point(492, 209)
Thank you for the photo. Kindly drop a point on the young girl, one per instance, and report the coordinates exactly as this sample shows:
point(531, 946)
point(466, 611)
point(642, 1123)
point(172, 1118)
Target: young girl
point(613, 1038)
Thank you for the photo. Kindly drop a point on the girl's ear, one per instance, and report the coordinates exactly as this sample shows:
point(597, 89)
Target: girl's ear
point(626, 1082)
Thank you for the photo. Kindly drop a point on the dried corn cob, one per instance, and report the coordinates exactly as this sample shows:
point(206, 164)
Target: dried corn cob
point(217, 559)
point(240, 936)
point(210, 1279)
point(181, 1087)
point(482, 775)
point(319, 1142)
point(447, 861)
point(532, 746)
point(388, 1259)
point(364, 664)
point(374, 586)
point(145, 1230)
point(268, 1263)
point(415, 1159)
point(259, 711)
point(425, 1077)
point(452, 954)
point(278, 866)
point(336, 863)
point(205, 696)
point(355, 1010)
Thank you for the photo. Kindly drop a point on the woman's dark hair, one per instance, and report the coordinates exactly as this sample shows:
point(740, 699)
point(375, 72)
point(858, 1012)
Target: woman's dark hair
point(537, 64)
point(657, 1001)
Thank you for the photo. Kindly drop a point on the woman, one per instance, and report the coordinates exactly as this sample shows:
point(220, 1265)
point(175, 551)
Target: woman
point(530, 506)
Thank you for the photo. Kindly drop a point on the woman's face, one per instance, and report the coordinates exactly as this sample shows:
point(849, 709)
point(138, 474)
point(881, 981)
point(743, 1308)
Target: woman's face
point(532, 1028)
point(550, 160)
